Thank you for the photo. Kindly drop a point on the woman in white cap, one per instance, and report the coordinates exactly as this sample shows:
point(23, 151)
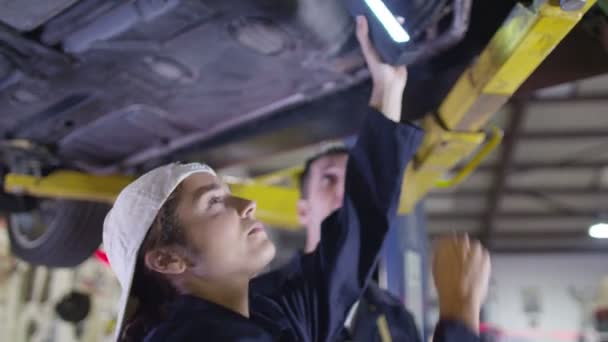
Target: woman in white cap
point(185, 250)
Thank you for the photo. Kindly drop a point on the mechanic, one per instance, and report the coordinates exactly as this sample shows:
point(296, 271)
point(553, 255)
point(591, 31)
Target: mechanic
point(186, 249)
point(321, 193)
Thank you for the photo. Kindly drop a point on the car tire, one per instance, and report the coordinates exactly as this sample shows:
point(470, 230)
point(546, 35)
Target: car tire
point(67, 232)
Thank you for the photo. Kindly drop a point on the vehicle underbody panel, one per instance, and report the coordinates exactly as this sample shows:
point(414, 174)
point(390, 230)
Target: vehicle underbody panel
point(195, 69)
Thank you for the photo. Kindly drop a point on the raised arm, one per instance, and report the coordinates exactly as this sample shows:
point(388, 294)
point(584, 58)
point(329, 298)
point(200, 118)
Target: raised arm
point(353, 236)
point(318, 289)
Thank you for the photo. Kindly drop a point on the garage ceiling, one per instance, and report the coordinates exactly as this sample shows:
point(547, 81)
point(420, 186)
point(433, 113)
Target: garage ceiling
point(546, 184)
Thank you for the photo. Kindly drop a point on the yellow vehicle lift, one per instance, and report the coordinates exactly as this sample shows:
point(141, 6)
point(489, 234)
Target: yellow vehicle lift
point(453, 133)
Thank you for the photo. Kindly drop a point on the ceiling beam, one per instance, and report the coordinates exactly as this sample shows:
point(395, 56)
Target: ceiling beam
point(507, 155)
point(588, 214)
point(542, 242)
point(546, 234)
point(587, 249)
point(539, 248)
point(548, 190)
point(568, 99)
point(565, 134)
point(534, 165)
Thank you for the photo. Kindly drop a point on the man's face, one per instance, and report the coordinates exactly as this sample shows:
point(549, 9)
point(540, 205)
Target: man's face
point(325, 194)
point(228, 242)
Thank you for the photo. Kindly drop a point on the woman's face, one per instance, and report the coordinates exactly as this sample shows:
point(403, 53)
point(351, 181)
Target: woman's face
point(228, 242)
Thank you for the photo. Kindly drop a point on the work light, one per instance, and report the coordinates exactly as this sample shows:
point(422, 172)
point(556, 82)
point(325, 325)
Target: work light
point(407, 31)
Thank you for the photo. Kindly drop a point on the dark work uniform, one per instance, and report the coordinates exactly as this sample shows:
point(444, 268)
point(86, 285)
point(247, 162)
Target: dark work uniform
point(309, 300)
point(375, 307)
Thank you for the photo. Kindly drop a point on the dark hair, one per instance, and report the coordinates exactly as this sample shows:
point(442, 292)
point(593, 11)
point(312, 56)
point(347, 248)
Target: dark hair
point(151, 289)
point(305, 175)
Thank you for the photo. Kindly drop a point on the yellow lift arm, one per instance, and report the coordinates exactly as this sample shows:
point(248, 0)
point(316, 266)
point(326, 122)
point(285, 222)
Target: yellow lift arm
point(453, 133)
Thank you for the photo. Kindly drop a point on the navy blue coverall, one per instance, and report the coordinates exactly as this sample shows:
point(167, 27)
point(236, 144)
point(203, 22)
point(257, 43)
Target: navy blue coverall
point(376, 303)
point(310, 300)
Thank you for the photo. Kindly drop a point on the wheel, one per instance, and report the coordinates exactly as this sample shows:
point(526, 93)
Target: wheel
point(58, 233)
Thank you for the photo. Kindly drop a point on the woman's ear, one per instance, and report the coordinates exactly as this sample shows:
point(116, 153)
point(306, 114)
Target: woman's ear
point(165, 261)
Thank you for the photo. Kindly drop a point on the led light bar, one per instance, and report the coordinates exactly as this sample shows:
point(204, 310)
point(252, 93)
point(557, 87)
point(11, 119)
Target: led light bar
point(388, 20)
point(599, 231)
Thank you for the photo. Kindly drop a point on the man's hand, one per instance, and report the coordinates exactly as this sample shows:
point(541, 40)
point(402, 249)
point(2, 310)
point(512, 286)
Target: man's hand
point(461, 269)
point(389, 81)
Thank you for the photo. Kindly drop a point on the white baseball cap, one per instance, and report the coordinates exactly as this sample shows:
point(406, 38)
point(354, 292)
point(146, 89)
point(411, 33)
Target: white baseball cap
point(132, 215)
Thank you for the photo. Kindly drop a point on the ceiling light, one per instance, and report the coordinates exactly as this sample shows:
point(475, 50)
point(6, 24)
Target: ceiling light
point(599, 231)
point(388, 20)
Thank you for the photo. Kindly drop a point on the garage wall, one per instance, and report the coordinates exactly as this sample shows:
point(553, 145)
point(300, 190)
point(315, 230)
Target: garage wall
point(543, 297)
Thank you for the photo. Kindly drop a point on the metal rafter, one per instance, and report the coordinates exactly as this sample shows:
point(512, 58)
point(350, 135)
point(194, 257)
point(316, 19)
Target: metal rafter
point(542, 235)
point(501, 172)
point(524, 191)
point(577, 99)
point(543, 241)
point(566, 134)
point(537, 165)
point(588, 249)
point(530, 215)
point(539, 235)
